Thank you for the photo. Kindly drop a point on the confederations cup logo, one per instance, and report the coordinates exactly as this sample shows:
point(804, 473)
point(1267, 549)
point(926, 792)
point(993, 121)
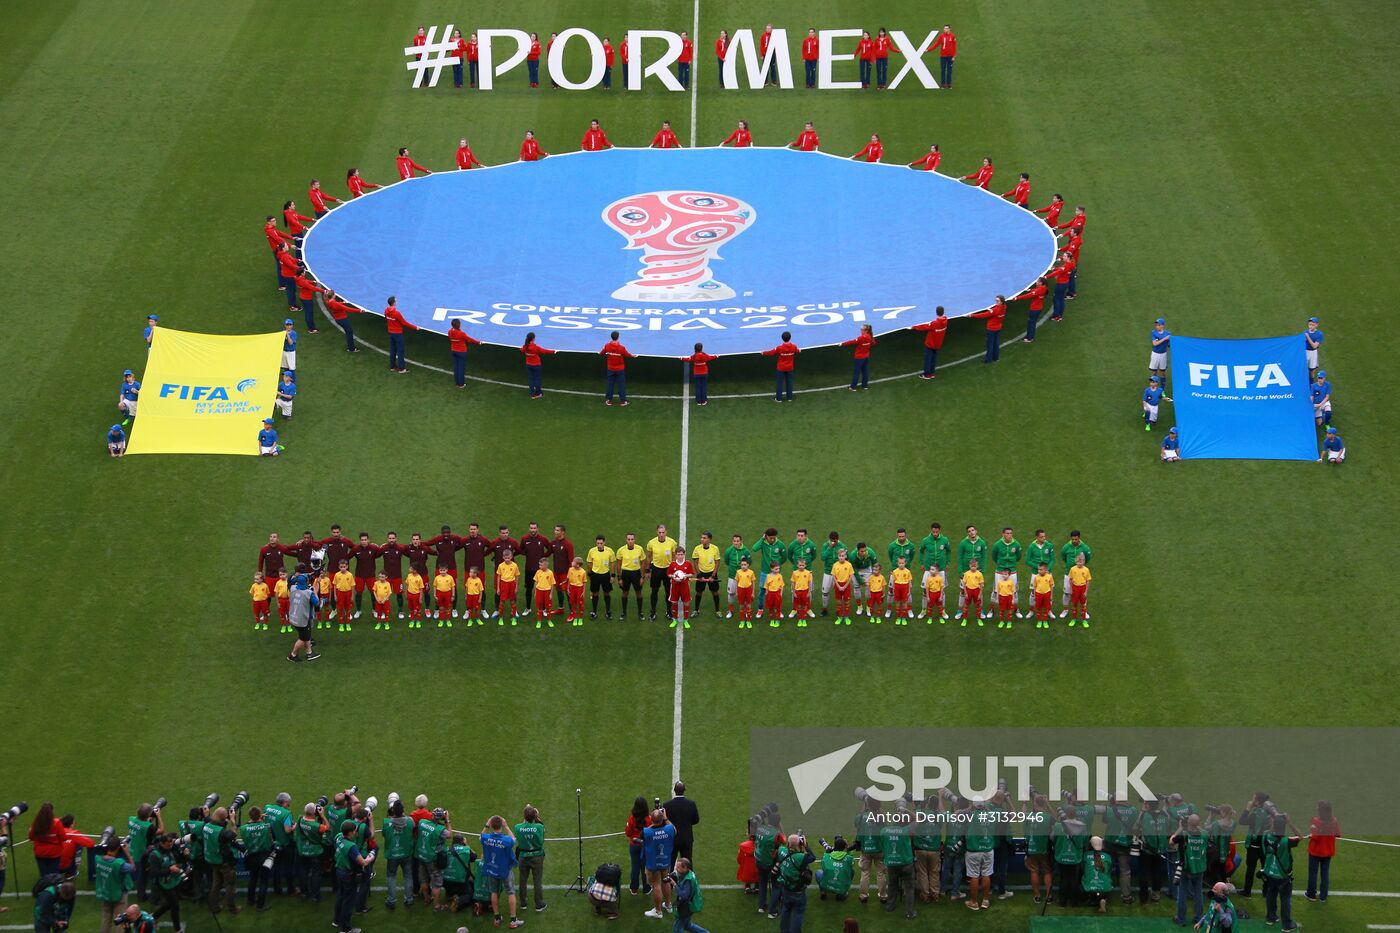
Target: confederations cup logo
point(679, 233)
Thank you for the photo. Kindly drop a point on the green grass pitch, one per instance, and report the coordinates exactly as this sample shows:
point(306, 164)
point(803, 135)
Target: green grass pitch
point(1236, 160)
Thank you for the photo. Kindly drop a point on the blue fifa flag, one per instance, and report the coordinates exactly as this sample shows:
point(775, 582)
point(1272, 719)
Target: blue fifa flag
point(1243, 399)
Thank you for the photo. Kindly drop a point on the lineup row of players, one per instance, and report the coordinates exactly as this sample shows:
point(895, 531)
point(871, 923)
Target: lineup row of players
point(851, 577)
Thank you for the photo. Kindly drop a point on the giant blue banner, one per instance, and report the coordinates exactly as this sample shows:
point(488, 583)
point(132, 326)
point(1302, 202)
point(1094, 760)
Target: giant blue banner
point(1243, 399)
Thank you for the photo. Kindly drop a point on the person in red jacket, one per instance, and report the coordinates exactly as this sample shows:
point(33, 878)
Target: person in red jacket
point(609, 56)
point(1074, 228)
point(865, 53)
point(295, 223)
point(809, 58)
point(721, 50)
point(356, 184)
point(473, 59)
point(934, 332)
point(637, 821)
point(319, 199)
point(1021, 194)
point(459, 52)
point(995, 317)
point(534, 370)
point(929, 160)
point(307, 290)
point(594, 139)
point(771, 76)
point(982, 177)
point(1052, 210)
point(623, 53)
point(549, 47)
point(617, 356)
point(394, 321)
point(806, 140)
point(407, 166)
point(532, 60)
point(684, 60)
point(340, 311)
point(863, 342)
point(530, 150)
point(947, 47)
point(664, 138)
point(46, 833)
point(786, 352)
point(1061, 274)
point(287, 268)
point(883, 44)
point(700, 370)
point(741, 137)
point(1322, 847)
point(873, 151)
point(465, 157)
point(1036, 295)
point(458, 340)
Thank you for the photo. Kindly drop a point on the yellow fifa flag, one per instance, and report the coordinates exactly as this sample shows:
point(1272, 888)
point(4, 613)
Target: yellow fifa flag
point(206, 393)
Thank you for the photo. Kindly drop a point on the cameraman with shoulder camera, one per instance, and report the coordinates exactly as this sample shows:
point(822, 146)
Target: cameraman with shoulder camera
point(220, 843)
point(350, 863)
point(258, 858)
point(1277, 847)
point(311, 834)
point(1191, 844)
point(794, 874)
point(112, 878)
point(167, 865)
point(53, 905)
point(1154, 829)
point(141, 830)
point(1257, 815)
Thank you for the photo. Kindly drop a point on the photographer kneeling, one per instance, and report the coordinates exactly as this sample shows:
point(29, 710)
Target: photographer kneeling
point(136, 920)
point(167, 866)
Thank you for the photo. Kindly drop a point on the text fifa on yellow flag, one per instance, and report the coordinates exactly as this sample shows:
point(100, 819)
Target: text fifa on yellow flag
point(206, 393)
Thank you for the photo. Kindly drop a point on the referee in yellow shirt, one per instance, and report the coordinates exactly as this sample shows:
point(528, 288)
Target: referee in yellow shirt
point(660, 550)
point(706, 558)
point(630, 558)
point(601, 561)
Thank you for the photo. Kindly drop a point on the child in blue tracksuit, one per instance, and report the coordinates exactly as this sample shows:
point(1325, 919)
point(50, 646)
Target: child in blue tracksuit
point(1151, 398)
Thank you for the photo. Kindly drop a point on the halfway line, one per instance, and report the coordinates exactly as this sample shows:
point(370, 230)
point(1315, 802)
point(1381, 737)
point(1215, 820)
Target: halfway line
point(680, 539)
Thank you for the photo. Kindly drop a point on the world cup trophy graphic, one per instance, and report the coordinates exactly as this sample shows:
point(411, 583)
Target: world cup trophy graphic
point(678, 232)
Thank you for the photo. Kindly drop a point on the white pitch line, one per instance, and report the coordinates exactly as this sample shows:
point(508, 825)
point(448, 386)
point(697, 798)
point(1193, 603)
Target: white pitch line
point(694, 76)
point(681, 539)
point(671, 398)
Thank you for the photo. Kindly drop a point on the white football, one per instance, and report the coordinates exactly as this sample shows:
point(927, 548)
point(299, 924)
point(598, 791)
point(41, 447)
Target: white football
point(678, 576)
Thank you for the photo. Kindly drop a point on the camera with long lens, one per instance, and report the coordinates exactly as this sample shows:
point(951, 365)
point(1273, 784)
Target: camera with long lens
point(11, 814)
point(159, 804)
point(321, 802)
point(109, 836)
point(370, 804)
point(211, 800)
point(240, 800)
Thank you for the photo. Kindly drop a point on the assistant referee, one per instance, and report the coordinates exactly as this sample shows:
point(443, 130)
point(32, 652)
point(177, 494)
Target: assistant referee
point(629, 573)
point(602, 568)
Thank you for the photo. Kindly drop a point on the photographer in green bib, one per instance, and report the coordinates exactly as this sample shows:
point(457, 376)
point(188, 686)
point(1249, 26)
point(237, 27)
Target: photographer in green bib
point(363, 815)
point(767, 839)
point(1220, 911)
point(279, 817)
point(192, 830)
point(1191, 844)
point(1069, 838)
point(399, 832)
point(310, 835)
point(350, 864)
point(979, 844)
point(141, 830)
point(221, 847)
point(1120, 826)
point(793, 876)
point(430, 856)
point(872, 859)
point(457, 877)
point(1257, 815)
point(1097, 874)
point(167, 866)
point(136, 920)
point(838, 870)
point(928, 858)
point(1221, 828)
point(1277, 846)
point(113, 877)
point(258, 857)
point(897, 854)
point(529, 852)
point(1036, 822)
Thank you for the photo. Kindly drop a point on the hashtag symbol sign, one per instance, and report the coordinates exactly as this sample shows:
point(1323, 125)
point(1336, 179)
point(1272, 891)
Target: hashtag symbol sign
point(432, 56)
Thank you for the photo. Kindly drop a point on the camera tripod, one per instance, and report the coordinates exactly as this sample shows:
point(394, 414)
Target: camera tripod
point(578, 885)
